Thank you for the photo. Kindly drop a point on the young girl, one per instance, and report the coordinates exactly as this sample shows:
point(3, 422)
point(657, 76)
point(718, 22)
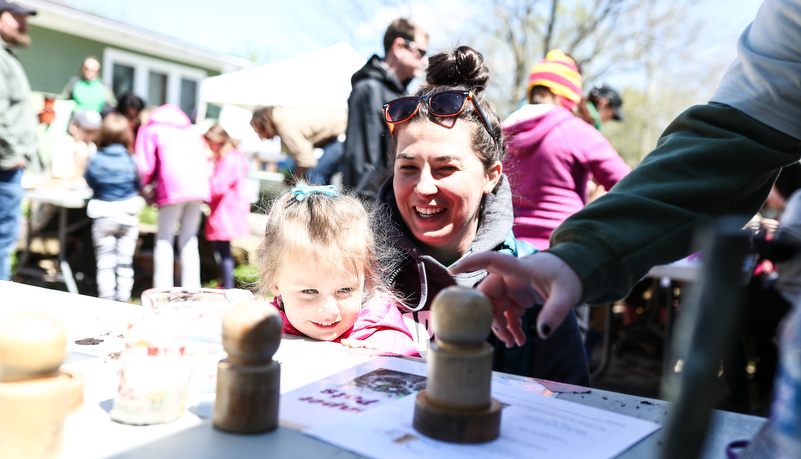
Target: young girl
point(171, 157)
point(112, 175)
point(229, 203)
point(320, 260)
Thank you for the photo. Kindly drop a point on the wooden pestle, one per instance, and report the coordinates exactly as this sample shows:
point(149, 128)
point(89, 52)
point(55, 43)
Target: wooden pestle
point(35, 396)
point(248, 381)
point(457, 405)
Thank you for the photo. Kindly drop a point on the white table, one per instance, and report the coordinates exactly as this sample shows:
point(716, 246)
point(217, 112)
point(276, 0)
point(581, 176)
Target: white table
point(90, 433)
point(63, 199)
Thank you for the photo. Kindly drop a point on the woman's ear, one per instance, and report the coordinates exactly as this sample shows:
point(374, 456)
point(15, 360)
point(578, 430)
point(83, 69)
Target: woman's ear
point(493, 176)
point(274, 290)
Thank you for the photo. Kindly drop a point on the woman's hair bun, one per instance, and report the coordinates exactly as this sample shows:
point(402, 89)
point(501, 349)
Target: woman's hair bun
point(462, 66)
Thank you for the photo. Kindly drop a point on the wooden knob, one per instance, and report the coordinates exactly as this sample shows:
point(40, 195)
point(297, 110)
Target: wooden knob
point(461, 315)
point(251, 332)
point(32, 344)
point(76, 382)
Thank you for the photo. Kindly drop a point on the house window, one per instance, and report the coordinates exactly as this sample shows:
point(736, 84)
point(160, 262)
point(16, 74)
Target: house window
point(157, 88)
point(122, 80)
point(158, 82)
point(188, 101)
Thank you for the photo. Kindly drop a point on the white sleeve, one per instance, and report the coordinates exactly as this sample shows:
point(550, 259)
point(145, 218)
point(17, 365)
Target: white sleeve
point(764, 81)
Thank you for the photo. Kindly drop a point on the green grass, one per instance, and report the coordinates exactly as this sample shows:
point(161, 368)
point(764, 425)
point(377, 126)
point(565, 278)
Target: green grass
point(246, 276)
point(149, 215)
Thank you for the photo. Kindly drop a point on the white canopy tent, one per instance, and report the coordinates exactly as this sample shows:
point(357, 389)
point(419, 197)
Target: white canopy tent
point(316, 80)
point(319, 80)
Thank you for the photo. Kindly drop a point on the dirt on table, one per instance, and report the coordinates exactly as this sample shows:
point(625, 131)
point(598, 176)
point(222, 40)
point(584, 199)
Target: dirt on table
point(88, 341)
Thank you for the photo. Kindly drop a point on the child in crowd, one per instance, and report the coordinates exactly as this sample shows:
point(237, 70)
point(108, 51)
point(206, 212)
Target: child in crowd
point(70, 153)
point(113, 176)
point(171, 157)
point(320, 259)
point(229, 203)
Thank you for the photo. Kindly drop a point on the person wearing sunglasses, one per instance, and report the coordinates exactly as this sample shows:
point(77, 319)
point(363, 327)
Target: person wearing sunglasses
point(366, 154)
point(448, 199)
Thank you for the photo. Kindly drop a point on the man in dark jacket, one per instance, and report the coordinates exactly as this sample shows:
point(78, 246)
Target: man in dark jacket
point(366, 151)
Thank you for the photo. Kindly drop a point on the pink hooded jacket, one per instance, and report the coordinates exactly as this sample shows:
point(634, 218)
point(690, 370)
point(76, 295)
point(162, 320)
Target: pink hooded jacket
point(551, 155)
point(172, 156)
point(229, 203)
point(380, 316)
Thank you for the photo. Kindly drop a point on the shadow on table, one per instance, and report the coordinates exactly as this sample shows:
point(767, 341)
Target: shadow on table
point(204, 441)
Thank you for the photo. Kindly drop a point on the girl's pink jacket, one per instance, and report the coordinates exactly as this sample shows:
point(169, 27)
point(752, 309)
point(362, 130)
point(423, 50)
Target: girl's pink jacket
point(551, 154)
point(229, 203)
point(173, 157)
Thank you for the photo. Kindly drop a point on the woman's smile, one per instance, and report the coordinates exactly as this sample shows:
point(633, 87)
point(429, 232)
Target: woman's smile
point(428, 212)
point(439, 183)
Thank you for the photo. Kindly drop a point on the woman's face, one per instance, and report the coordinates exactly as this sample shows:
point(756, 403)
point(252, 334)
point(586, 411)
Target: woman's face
point(439, 182)
point(605, 110)
point(319, 303)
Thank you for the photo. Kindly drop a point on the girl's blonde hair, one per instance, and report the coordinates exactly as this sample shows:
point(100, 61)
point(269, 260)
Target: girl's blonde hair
point(217, 134)
point(335, 232)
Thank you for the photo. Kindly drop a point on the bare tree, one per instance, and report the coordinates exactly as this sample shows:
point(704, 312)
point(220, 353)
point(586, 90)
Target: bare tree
point(671, 78)
point(526, 30)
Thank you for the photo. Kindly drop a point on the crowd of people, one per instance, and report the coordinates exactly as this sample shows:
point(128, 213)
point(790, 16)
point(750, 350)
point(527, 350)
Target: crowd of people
point(437, 190)
point(129, 155)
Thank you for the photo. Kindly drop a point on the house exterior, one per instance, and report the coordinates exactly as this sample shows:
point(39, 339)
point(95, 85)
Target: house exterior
point(156, 68)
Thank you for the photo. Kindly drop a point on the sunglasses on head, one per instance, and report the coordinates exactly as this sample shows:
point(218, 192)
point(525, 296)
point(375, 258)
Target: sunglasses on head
point(444, 104)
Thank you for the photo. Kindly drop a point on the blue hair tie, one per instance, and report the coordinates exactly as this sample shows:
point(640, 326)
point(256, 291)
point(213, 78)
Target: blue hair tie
point(301, 191)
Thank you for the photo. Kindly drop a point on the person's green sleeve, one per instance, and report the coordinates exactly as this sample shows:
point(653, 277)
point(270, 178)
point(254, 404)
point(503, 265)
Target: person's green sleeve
point(713, 160)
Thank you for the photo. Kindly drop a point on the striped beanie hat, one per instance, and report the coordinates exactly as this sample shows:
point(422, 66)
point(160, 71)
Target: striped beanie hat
point(558, 73)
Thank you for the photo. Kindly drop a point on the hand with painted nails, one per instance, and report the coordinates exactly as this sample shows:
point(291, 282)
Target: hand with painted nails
point(515, 284)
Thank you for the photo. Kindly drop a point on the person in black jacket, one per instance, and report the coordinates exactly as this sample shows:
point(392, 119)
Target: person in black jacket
point(366, 151)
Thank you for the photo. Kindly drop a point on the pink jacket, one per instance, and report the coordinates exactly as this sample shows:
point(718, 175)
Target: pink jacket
point(229, 203)
point(551, 156)
point(380, 323)
point(172, 156)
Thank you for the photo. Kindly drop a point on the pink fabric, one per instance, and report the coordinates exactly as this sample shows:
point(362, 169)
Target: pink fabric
point(229, 203)
point(171, 155)
point(551, 157)
point(380, 324)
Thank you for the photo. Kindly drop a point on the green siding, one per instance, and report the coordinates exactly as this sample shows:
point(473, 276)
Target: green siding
point(55, 57)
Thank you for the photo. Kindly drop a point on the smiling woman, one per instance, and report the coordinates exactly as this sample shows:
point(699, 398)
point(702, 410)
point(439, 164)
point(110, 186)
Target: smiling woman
point(448, 198)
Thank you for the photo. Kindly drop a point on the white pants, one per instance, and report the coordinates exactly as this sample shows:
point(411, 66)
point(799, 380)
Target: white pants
point(188, 215)
point(115, 244)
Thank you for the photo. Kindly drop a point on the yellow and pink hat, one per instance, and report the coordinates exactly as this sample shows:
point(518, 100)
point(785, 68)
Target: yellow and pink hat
point(559, 73)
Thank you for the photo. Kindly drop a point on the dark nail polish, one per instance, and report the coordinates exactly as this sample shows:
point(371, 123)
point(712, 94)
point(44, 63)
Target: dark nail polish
point(546, 330)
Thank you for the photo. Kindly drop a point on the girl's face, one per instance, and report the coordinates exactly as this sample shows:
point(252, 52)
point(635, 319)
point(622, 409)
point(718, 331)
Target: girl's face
point(214, 146)
point(439, 182)
point(319, 303)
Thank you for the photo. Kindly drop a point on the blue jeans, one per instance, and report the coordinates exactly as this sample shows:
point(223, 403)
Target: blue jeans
point(327, 165)
point(10, 199)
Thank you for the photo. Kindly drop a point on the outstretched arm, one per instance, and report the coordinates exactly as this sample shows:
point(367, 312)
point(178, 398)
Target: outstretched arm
point(515, 284)
point(648, 218)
